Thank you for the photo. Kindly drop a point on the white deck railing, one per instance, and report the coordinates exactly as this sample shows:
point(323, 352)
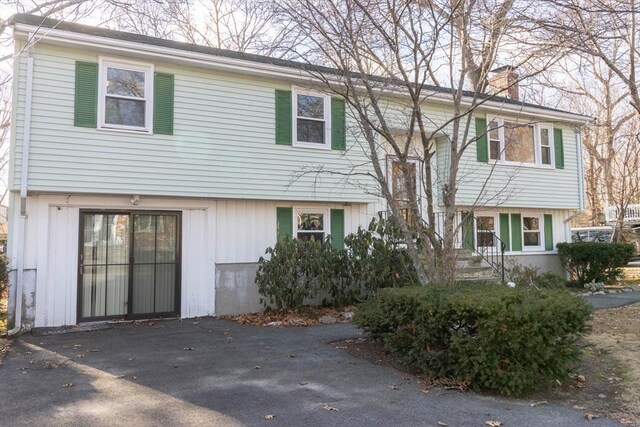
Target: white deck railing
point(631, 214)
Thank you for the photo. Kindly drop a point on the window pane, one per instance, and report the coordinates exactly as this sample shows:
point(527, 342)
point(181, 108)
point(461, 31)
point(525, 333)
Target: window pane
point(544, 136)
point(531, 223)
point(531, 239)
point(310, 221)
point(519, 145)
point(310, 131)
point(125, 82)
point(493, 130)
point(486, 222)
point(124, 112)
point(398, 188)
point(494, 149)
point(311, 106)
point(546, 155)
point(314, 237)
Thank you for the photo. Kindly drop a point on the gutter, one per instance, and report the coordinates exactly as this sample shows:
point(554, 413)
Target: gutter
point(24, 175)
point(243, 66)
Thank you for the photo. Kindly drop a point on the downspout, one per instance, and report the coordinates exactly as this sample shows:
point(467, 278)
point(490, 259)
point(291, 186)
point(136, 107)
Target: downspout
point(24, 175)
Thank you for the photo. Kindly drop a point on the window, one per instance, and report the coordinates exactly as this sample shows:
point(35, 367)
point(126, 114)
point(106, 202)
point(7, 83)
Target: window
point(531, 235)
point(125, 96)
point(311, 119)
point(485, 230)
point(494, 140)
point(521, 143)
point(310, 225)
point(545, 144)
point(402, 194)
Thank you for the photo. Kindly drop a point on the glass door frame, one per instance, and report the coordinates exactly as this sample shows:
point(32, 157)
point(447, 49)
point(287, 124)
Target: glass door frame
point(178, 260)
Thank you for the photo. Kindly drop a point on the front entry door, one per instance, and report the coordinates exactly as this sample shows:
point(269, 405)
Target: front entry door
point(129, 265)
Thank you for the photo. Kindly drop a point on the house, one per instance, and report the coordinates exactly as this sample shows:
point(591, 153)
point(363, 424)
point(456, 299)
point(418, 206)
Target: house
point(148, 176)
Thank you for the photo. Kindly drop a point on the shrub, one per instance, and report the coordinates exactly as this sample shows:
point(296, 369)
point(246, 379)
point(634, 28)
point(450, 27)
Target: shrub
point(509, 340)
point(594, 261)
point(296, 270)
point(378, 258)
point(524, 275)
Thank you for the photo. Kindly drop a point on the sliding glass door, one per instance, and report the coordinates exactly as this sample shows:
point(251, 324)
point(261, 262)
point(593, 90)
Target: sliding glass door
point(129, 265)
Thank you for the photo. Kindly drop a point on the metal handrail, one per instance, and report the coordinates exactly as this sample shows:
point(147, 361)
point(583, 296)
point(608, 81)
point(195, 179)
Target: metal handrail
point(493, 255)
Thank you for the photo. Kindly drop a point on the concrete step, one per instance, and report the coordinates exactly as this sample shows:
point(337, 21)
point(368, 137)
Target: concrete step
point(479, 272)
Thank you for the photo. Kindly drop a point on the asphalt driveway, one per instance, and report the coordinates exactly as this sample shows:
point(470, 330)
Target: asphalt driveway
point(213, 372)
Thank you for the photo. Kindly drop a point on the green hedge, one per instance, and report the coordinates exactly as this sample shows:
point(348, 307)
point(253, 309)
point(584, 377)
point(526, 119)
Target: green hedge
point(510, 340)
point(594, 261)
point(296, 271)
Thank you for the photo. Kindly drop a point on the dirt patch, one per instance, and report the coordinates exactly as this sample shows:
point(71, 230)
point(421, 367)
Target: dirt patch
point(307, 316)
point(606, 382)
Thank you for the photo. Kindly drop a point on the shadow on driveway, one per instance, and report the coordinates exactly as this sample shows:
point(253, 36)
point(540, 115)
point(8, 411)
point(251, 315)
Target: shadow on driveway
point(214, 372)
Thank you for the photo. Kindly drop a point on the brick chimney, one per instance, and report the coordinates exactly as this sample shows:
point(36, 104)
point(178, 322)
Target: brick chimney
point(504, 82)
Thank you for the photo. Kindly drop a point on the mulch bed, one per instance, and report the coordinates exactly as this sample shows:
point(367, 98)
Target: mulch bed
point(307, 316)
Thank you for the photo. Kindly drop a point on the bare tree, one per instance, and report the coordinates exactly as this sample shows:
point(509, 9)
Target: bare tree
point(388, 59)
point(603, 29)
point(239, 25)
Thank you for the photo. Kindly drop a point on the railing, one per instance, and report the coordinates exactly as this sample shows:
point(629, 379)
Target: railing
point(492, 253)
point(466, 237)
point(631, 214)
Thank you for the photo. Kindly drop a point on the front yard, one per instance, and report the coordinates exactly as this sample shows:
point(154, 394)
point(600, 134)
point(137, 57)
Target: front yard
point(605, 383)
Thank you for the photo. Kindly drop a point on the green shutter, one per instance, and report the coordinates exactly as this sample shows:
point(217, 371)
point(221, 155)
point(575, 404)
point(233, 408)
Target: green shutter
point(338, 124)
point(516, 231)
point(504, 231)
point(482, 149)
point(86, 102)
point(284, 217)
point(283, 117)
point(468, 242)
point(163, 104)
point(548, 232)
point(558, 147)
point(337, 228)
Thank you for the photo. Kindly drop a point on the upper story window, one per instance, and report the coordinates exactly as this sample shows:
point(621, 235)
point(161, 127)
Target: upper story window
point(125, 96)
point(521, 143)
point(311, 119)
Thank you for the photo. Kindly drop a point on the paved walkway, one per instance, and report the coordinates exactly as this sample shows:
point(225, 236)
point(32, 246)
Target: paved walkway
point(613, 300)
point(213, 372)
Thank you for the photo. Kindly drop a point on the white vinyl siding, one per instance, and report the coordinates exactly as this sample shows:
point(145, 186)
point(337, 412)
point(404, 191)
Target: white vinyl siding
point(223, 143)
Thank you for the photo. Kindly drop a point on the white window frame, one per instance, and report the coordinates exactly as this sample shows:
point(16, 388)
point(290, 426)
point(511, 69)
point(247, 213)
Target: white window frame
point(148, 69)
point(326, 119)
point(537, 140)
point(540, 247)
point(496, 227)
point(538, 135)
point(312, 210)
